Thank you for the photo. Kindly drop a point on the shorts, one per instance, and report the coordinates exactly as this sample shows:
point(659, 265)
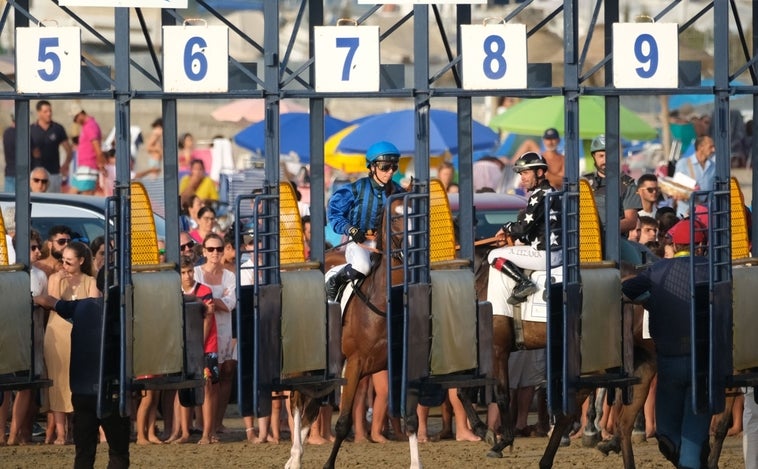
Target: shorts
point(85, 179)
point(526, 368)
point(211, 370)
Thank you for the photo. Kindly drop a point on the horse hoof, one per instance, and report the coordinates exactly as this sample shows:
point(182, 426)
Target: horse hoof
point(590, 440)
point(565, 441)
point(608, 446)
point(495, 454)
point(489, 438)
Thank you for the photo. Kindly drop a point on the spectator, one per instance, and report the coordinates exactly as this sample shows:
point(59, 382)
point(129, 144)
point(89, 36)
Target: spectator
point(9, 150)
point(58, 238)
point(90, 159)
point(47, 136)
point(39, 179)
point(154, 150)
point(555, 160)
point(650, 195)
point(198, 183)
point(97, 246)
point(186, 147)
point(206, 224)
point(648, 230)
point(701, 167)
point(446, 174)
point(83, 313)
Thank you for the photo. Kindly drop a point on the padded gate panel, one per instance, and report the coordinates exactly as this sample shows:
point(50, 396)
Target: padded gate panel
point(303, 321)
point(745, 284)
point(157, 323)
point(601, 319)
point(16, 320)
point(454, 346)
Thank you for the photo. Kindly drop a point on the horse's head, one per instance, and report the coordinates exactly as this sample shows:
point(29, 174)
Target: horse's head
point(396, 210)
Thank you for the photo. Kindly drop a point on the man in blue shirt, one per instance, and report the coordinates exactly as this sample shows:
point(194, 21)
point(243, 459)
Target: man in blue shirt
point(664, 290)
point(701, 167)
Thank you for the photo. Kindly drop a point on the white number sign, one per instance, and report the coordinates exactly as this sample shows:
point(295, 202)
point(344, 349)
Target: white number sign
point(195, 59)
point(347, 58)
point(494, 56)
point(48, 60)
point(645, 55)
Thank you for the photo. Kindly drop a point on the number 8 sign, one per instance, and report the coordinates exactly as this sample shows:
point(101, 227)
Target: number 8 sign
point(48, 60)
point(494, 56)
point(195, 59)
point(347, 58)
point(645, 55)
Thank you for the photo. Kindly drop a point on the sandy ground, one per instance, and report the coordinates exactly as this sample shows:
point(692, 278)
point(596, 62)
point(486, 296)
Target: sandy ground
point(234, 452)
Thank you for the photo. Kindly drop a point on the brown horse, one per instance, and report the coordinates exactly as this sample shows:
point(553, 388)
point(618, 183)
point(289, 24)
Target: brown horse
point(364, 343)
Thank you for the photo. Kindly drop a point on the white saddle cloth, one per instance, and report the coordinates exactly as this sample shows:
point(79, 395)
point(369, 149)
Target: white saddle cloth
point(499, 289)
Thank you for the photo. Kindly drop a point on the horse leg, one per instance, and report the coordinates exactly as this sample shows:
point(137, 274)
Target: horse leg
point(502, 342)
point(304, 411)
point(411, 425)
point(562, 423)
point(477, 426)
point(590, 436)
point(723, 422)
point(353, 372)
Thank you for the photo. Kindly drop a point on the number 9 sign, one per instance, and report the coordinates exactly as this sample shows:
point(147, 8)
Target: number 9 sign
point(494, 56)
point(347, 58)
point(48, 60)
point(646, 55)
point(195, 59)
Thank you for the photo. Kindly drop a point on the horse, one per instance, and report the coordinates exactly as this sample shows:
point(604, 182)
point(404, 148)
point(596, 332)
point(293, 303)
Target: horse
point(364, 345)
point(535, 337)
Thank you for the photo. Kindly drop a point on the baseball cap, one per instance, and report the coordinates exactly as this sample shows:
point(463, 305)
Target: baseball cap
point(551, 134)
point(680, 233)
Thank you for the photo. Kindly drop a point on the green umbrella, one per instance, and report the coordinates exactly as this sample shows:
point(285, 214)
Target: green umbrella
point(533, 116)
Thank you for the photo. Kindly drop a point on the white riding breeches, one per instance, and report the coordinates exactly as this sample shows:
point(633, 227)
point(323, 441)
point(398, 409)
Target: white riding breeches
point(500, 286)
point(359, 257)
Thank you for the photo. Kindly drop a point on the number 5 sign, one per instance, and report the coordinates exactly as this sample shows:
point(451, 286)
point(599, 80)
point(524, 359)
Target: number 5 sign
point(347, 58)
point(195, 59)
point(645, 55)
point(494, 56)
point(48, 60)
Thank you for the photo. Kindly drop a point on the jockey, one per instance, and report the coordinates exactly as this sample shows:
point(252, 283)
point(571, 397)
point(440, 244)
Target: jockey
point(528, 231)
point(355, 210)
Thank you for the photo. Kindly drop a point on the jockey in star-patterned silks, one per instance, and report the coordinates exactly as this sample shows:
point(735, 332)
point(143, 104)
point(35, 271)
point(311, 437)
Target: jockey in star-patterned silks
point(528, 231)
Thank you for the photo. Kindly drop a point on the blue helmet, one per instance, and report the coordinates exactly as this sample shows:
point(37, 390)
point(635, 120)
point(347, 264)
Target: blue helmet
point(382, 151)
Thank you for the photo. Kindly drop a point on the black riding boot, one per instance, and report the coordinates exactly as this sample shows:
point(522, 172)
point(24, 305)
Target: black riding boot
point(524, 287)
point(338, 281)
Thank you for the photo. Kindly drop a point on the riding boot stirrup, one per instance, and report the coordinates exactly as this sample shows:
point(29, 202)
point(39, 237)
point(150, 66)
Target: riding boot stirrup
point(337, 282)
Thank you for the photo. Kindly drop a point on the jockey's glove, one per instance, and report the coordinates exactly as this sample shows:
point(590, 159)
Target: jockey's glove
point(507, 227)
point(356, 234)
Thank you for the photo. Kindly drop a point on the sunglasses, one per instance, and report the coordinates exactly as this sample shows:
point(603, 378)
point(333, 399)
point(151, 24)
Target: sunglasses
point(40, 181)
point(214, 248)
point(62, 241)
point(652, 190)
point(34, 247)
point(188, 245)
point(387, 166)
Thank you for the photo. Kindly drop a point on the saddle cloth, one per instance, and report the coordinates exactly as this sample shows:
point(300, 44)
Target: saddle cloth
point(499, 288)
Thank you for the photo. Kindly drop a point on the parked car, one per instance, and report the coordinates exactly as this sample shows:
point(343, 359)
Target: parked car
point(491, 211)
point(84, 214)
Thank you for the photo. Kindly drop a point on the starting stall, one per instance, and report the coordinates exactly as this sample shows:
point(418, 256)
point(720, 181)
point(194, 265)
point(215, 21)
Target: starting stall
point(439, 335)
point(289, 336)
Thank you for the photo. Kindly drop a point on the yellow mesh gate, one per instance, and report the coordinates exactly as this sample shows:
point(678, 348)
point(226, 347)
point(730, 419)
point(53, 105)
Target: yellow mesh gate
point(740, 241)
point(3, 242)
point(441, 231)
point(144, 239)
point(291, 249)
point(590, 236)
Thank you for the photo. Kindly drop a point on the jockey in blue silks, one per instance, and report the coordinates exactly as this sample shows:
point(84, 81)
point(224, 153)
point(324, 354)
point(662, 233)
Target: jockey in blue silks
point(355, 210)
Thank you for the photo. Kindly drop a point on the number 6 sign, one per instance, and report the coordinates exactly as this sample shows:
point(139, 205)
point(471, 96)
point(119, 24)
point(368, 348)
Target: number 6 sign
point(195, 59)
point(494, 56)
point(347, 58)
point(645, 55)
point(48, 60)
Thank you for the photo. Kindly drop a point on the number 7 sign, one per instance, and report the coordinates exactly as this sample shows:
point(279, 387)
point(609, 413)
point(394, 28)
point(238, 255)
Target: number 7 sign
point(48, 60)
point(347, 58)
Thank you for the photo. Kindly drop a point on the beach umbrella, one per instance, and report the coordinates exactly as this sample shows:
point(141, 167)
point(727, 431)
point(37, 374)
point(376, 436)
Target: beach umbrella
point(533, 116)
point(251, 110)
point(294, 134)
point(398, 127)
point(676, 101)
